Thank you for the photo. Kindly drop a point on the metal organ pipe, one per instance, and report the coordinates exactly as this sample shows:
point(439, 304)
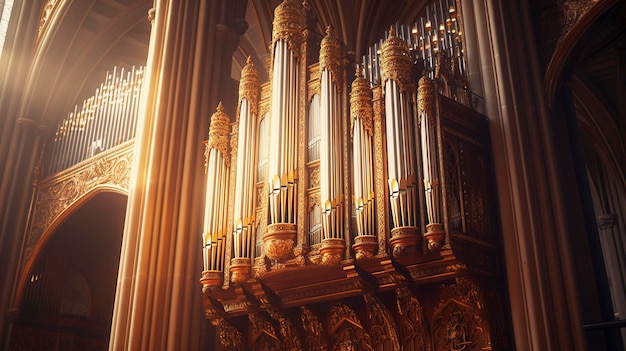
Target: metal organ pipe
point(426, 110)
point(217, 169)
point(282, 170)
point(396, 67)
point(331, 160)
point(104, 120)
point(245, 182)
point(361, 113)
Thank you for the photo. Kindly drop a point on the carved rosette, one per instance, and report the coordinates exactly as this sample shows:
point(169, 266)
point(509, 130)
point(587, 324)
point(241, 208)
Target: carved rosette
point(395, 62)
point(332, 250)
point(279, 241)
point(404, 241)
point(240, 269)
point(288, 24)
point(219, 131)
point(434, 236)
point(426, 98)
point(330, 56)
point(365, 246)
point(249, 85)
point(361, 102)
point(211, 280)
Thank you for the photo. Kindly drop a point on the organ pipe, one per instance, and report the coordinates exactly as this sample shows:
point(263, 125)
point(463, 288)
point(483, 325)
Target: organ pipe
point(245, 182)
point(218, 171)
point(362, 113)
point(282, 168)
point(331, 160)
point(396, 68)
point(103, 121)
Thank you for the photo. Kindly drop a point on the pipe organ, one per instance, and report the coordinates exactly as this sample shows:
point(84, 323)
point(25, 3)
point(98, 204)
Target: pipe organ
point(326, 192)
point(103, 121)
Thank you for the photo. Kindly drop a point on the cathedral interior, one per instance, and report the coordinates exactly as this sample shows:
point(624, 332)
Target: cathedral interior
point(313, 175)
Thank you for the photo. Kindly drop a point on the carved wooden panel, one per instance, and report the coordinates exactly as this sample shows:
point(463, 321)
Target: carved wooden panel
point(382, 327)
point(458, 320)
point(412, 327)
point(347, 332)
point(313, 331)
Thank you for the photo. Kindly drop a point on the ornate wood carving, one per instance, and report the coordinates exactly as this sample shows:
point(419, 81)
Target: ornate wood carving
point(288, 331)
point(382, 327)
point(412, 327)
point(347, 332)
point(262, 335)
point(458, 321)
point(313, 331)
point(230, 337)
point(57, 193)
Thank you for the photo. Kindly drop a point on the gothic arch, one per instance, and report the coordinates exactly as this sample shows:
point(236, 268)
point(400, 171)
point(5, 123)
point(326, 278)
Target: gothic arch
point(33, 253)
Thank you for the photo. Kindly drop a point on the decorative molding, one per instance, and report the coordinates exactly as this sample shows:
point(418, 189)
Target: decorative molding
point(48, 11)
point(382, 327)
point(59, 192)
point(219, 131)
point(396, 64)
point(313, 331)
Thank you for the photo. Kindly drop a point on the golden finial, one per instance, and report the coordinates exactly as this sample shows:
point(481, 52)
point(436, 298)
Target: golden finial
point(361, 101)
point(330, 55)
point(395, 62)
point(249, 85)
point(288, 24)
point(219, 131)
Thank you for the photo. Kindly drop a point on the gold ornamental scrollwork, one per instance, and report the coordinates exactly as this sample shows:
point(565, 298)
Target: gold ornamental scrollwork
point(57, 193)
point(249, 85)
point(330, 56)
point(288, 25)
point(426, 98)
point(218, 133)
point(361, 102)
point(395, 62)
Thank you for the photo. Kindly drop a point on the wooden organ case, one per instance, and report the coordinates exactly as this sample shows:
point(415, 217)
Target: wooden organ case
point(352, 216)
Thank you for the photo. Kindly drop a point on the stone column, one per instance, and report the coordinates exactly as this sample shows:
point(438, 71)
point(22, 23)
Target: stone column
point(535, 218)
point(19, 147)
point(158, 301)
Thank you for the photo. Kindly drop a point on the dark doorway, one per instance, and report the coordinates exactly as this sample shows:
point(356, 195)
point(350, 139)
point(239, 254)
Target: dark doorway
point(69, 295)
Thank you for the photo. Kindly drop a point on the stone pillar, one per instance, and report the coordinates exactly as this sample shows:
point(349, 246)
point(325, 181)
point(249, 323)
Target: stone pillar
point(158, 301)
point(15, 198)
point(535, 218)
point(19, 147)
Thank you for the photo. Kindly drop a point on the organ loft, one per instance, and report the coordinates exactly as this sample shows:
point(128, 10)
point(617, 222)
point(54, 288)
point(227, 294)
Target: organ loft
point(345, 183)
